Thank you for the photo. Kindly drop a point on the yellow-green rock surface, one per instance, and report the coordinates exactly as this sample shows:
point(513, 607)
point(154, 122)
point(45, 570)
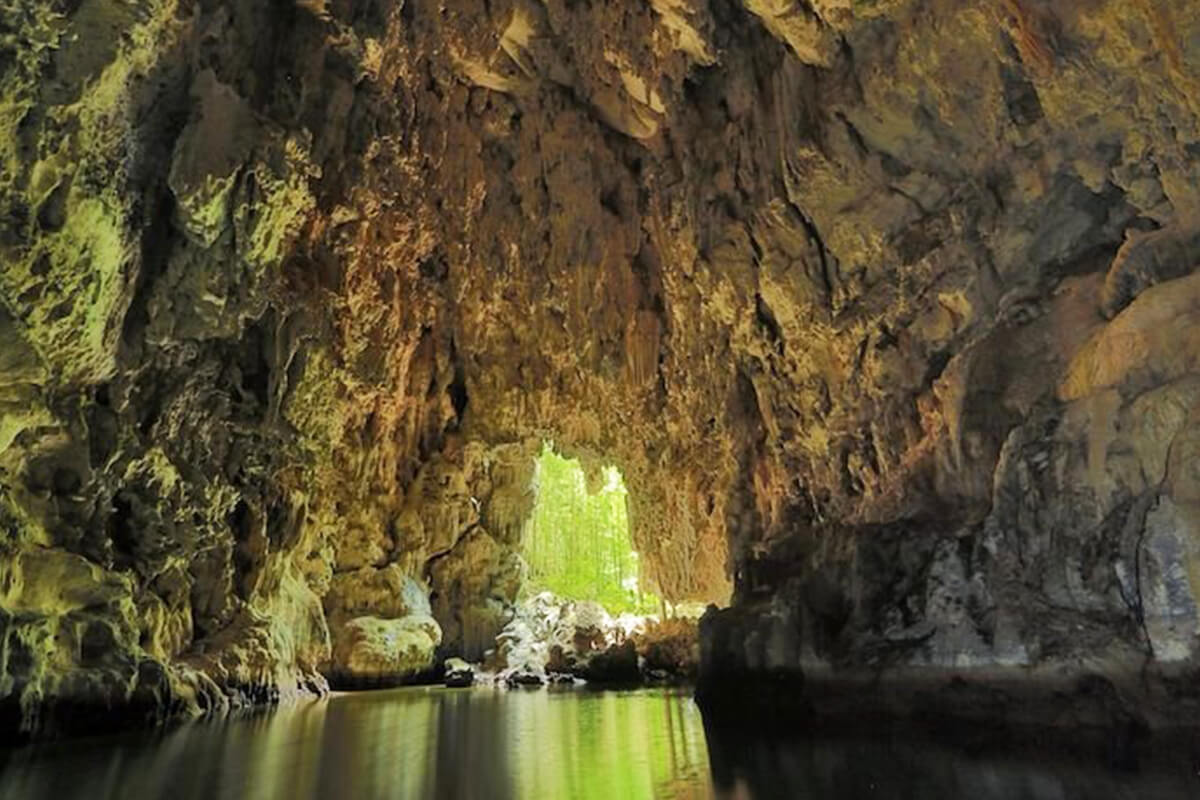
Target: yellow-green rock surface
point(884, 310)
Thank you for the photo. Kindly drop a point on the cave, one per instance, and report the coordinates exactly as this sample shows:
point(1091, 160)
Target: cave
point(871, 319)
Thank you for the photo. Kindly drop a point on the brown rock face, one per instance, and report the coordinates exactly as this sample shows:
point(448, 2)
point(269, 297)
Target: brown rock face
point(885, 310)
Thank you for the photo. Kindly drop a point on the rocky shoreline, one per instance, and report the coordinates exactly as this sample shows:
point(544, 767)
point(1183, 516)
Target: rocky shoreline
point(552, 641)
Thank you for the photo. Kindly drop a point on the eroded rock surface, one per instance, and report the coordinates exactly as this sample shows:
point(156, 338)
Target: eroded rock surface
point(885, 311)
point(557, 640)
point(372, 652)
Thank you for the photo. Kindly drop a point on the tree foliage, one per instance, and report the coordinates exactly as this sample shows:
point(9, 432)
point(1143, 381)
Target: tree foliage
point(578, 544)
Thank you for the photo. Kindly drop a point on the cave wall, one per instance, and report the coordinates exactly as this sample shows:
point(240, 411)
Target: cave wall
point(882, 308)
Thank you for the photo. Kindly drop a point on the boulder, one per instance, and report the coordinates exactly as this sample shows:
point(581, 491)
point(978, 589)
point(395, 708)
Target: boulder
point(374, 651)
point(561, 659)
point(526, 676)
point(616, 665)
point(670, 650)
point(458, 673)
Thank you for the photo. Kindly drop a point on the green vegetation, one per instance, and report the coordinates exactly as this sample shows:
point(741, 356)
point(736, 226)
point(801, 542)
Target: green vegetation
point(578, 544)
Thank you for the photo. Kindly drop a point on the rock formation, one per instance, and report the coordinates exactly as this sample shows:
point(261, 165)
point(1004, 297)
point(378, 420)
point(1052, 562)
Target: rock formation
point(884, 309)
point(554, 640)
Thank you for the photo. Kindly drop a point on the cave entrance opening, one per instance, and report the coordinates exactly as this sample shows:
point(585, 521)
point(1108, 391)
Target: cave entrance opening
point(578, 544)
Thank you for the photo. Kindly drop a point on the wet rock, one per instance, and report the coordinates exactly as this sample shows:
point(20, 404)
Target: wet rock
point(670, 650)
point(524, 676)
point(561, 659)
point(615, 665)
point(458, 673)
point(659, 676)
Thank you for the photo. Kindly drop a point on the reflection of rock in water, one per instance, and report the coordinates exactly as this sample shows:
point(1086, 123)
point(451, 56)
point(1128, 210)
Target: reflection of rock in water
point(400, 744)
point(568, 745)
point(469, 763)
point(903, 763)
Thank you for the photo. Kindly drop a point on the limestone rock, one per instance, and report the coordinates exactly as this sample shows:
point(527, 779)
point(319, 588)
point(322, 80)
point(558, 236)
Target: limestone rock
point(615, 665)
point(373, 651)
point(795, 23)
point(458, 672)
point(385, 591)
point(670, 649)
point(208, 157)
point(885, 310)
point(527, 677)
point(476, 585)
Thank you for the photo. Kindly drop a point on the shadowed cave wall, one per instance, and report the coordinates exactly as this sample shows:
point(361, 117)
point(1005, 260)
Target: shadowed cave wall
point(883, 309)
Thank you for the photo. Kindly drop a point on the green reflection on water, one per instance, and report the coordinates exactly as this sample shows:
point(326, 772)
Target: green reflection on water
point(605, 746)
point(577, 745)
point(407, 743)
point(483, 743)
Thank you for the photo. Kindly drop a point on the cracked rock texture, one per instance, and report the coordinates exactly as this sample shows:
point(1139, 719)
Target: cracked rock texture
point(884, 308)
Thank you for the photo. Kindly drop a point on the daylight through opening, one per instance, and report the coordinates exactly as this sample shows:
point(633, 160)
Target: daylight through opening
point(578, 543)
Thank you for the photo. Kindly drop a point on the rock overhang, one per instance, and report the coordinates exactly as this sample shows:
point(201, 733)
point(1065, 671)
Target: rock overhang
point(856, 295)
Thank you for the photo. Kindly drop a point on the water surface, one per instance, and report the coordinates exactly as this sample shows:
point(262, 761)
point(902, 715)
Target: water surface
point(484, 743)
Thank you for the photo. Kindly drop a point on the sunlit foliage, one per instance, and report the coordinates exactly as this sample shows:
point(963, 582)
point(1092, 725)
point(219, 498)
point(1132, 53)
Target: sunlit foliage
point(578, 544)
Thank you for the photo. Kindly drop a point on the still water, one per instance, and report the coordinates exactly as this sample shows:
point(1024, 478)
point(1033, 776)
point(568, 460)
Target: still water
point(483, 743)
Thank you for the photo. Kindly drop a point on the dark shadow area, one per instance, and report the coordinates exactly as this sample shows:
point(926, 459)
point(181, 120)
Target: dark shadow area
point(876, 759)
